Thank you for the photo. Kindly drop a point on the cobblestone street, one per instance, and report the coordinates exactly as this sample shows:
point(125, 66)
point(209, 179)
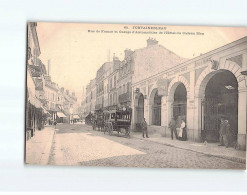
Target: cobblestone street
point(78, 144)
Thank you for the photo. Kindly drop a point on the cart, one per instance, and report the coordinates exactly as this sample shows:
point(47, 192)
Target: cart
point(115, 120)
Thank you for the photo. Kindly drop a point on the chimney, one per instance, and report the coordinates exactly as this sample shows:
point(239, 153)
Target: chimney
point(127, 52)
point(73, 94)
point(67, 91)
point(151, 41)
point(62, 89)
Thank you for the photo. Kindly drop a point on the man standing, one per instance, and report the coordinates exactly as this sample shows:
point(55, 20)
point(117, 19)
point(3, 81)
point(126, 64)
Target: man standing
point(172, 126)
point(228, 134)
point(144, 128)
point(221, 132)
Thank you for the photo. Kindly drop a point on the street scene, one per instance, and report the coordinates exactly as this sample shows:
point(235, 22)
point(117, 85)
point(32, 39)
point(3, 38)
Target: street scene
point(177, 99)
point(80, 145)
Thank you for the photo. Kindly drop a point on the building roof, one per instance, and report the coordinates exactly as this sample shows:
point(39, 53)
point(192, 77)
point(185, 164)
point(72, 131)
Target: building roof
point(152, 60)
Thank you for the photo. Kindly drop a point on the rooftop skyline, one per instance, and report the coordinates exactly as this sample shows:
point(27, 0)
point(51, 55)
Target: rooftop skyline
point(75, 54)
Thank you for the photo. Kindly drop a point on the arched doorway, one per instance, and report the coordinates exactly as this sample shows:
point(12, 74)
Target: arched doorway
point(221, 100)
point(156, 118)
point(180, 102)
point(140, 109)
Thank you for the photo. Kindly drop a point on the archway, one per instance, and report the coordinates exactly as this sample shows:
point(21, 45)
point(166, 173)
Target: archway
point(220, 100)
point(180, 102)
point(140, 109)
point(156, 109)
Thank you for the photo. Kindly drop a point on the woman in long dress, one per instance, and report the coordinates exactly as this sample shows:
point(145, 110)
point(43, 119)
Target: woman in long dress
point(181, 129)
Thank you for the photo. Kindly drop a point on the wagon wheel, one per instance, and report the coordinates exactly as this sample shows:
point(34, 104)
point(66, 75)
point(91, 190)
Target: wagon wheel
point(110, 128)
point(127, 131)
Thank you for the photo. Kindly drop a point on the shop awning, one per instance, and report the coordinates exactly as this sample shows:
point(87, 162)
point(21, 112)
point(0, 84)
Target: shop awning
point(76, 116)
point(60, 114)
point(34, 101)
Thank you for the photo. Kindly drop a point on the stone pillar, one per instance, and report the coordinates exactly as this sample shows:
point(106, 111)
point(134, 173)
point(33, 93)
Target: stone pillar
point(191, 109)
point(169, 111)
point(164, 121)
point(133, 118)
point(147, 110)
point(242, 114)
point(197, 118)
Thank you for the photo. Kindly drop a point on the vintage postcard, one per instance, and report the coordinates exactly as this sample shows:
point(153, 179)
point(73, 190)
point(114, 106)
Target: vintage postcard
point(129, 95)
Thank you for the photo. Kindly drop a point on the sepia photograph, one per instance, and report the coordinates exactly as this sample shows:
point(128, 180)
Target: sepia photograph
point(130, 95)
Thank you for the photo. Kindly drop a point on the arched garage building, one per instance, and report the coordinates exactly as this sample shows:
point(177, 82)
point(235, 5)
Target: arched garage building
point(200, 90)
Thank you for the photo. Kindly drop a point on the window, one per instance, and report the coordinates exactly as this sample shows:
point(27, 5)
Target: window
point(115, 81)
point(124, 88)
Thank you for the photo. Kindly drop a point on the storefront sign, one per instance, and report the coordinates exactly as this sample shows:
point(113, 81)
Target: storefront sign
point(183, 69)
point(203, 61)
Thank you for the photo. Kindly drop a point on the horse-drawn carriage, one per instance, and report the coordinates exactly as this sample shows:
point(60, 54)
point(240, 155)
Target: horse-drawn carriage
point(116, 120)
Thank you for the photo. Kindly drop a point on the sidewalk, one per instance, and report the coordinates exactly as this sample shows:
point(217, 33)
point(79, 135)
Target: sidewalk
point(38, 147)
point(211, 149)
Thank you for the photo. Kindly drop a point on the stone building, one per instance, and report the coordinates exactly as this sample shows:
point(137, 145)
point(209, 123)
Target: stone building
point(112, 84)
point(200, 90)
point(125, 79)
point(90, 97)
point(34, 89)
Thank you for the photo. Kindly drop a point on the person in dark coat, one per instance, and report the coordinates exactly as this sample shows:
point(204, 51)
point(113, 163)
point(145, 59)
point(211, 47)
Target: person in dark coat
point(172, 126)
point(228, 135)
point(144, 128)
point(225, 133)
point(221, 132)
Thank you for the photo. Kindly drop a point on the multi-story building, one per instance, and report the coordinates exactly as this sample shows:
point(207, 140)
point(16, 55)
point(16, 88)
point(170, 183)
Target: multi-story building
point(90, 97)
point(34, 110)
point(125, 79)
point(51, 97)
point(199, 90)
point(69, 105)
point(112, 83)
point(100, 78)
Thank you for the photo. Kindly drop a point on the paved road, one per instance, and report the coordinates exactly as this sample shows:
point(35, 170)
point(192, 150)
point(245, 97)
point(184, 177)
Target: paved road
point(78, 144)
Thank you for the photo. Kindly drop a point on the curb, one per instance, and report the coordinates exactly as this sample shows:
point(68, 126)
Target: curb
point(235, 159)
point(46, 154)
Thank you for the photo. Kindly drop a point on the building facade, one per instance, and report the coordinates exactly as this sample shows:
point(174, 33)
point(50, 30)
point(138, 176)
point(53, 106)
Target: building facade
point(199, 90)
point(125, 79)
point(90, 97)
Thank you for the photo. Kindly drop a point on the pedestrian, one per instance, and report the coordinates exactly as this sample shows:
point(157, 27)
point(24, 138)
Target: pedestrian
point(228, 134)
point(55, 123)
point(221, 132)
point(144, 128)
point(181, 134)
point(172, 126)
point(184, 134)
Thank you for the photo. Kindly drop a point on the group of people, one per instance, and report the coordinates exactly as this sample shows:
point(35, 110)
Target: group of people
point(177, 128)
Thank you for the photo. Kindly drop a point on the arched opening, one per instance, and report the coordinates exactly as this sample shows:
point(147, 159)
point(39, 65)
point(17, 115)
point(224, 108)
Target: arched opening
point(180, 102)
point(156, 118)
point(221, 100)
point(140, 109)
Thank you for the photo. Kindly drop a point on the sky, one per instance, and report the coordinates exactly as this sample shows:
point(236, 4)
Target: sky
point(75, 54)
